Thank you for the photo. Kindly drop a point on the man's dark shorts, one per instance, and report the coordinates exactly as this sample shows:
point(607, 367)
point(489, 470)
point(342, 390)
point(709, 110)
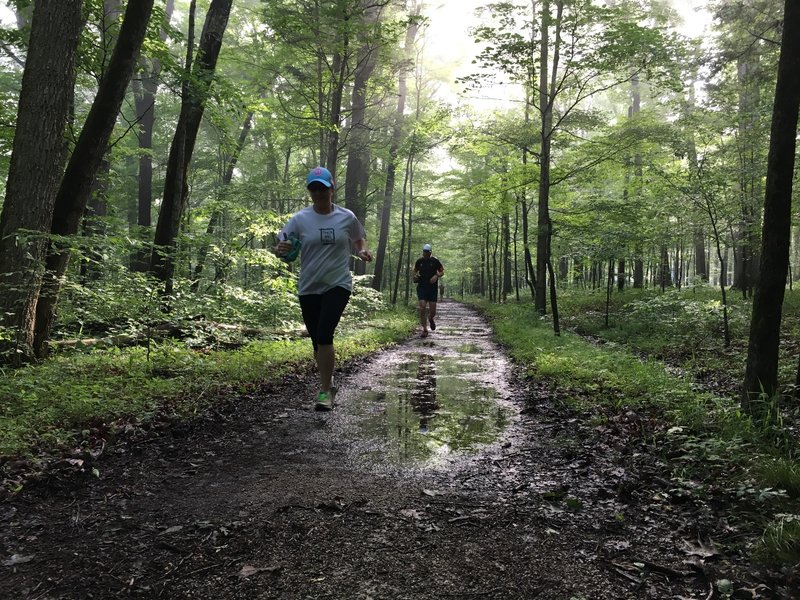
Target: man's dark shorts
point(428, 291)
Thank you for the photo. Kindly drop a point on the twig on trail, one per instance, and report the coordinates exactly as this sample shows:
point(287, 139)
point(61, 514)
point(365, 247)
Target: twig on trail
point(288, 507)
point(710, 591)
point(461, 519)
point(201, 569)
point(47, 591)
point(668, 571)
point(172, 570)
point(621, 570)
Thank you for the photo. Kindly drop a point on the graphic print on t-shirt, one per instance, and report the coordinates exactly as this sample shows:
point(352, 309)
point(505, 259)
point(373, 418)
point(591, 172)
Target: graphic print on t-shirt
point(327, 237)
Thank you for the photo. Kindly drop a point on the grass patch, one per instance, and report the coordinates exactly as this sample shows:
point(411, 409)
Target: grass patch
point(781, 473)
point(607, 373)
point(781, 541)
point(47, 406)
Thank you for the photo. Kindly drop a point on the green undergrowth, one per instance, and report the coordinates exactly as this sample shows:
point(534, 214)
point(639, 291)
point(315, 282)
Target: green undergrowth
point(596, 374)
point(683, 327)
point(47, 406)
point(715, 447)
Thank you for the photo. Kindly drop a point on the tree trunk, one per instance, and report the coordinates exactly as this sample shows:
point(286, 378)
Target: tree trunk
point(358, 159)
point(145, 106)
point(547, 96)
point(76, 185)
point(530, 276)
point(410, 225)
point(664, 273)
point(761, 372)
point(546, 113)
point(397, 136)
point(507, 289)
point(94, 227)
point(37, 161)
point(193, 103)
point(553, 299)
point(401, 246)
point(748, 140)
point(638, 272)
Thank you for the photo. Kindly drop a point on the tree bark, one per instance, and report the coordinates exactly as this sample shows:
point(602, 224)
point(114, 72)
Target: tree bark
point(506, 256)
point(547, 96)
point(162, 262)
point(145, 105)
point(761, 371)
point(76, 185)
point(37, 161)
point(358, 159)
point(391, 168)
point(546, 113)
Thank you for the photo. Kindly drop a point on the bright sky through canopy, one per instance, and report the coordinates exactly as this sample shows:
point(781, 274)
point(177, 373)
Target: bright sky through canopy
point(448, 41)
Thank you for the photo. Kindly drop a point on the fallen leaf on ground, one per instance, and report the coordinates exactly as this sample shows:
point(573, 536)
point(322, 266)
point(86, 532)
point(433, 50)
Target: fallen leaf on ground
point(700, 548)
point(249, 570)
point(16, 559)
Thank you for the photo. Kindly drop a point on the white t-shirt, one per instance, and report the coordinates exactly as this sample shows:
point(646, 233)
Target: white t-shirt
point(326, 247)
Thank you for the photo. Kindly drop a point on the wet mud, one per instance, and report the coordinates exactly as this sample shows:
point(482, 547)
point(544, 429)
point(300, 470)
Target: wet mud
point(440, 474)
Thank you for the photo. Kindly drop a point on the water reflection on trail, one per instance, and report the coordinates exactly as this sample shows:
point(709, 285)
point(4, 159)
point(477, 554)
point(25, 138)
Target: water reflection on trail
point(428, 399)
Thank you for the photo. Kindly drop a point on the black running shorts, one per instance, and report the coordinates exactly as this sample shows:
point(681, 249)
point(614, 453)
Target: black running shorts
point(321, 314)
point(428, 291)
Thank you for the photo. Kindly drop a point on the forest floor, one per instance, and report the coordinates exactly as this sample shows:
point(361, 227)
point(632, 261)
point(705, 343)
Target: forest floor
point(441, 473)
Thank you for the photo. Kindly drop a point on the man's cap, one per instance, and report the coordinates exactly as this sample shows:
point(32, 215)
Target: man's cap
point(426, 248)
point(319, 175)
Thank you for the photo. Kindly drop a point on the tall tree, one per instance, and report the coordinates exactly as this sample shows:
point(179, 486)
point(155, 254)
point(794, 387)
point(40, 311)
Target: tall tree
point(761, 371)
point(85, 160)
point(193, 103)
point(37, 162)
point(397, 136)
point(145, 104)
point(358, 157)
point(547, 97)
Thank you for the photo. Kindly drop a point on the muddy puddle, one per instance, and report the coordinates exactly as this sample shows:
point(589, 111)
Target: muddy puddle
point(429, 400)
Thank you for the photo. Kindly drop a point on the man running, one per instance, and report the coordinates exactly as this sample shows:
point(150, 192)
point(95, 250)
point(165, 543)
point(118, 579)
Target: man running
point(427, 271)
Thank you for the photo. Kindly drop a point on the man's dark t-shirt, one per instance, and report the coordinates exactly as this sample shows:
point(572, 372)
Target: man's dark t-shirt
point(427, 268)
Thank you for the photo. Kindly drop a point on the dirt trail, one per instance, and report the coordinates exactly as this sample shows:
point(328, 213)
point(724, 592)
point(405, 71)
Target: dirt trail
point(485, 489)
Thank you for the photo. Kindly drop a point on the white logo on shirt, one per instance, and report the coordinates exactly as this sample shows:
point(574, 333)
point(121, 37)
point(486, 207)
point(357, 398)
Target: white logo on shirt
point(327, 237)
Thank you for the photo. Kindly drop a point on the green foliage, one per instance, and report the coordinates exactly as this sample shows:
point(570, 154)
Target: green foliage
point(781, 540)
point(781, 473)
point(50, 405)
point(679, 324)
point(604, 375)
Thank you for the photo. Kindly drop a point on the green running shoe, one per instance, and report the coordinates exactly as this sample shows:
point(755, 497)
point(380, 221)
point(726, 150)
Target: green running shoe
point(325, 401)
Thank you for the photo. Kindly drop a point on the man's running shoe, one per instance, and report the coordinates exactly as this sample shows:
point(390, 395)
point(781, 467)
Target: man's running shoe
point(324, 401)
point(433, 325)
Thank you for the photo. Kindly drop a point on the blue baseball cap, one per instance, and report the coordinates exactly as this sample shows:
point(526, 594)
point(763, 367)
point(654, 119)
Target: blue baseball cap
point(426, 248)
point(319, 175)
